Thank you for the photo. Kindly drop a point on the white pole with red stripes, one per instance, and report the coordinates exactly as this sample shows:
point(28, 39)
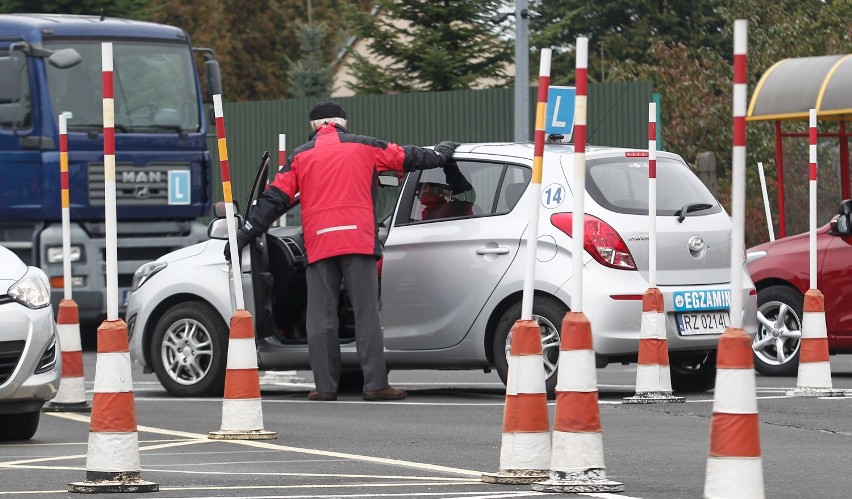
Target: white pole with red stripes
point(577, 458)
point(653, 374)
point(525, 447)
point(814, 373)
point(112, 461)
point(734, 464)
point(71, 396)
point(282, 160)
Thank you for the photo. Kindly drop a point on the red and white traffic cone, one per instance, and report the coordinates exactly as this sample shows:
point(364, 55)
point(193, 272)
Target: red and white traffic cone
point(71, 396)
point(814, 377)
point(577, 464)
point(525, 450)
point(112, 463)
point(734, 467)
point(242, 414)
point(653, 376)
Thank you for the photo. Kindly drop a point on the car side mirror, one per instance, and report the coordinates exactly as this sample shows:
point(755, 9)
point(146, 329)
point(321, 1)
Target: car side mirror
point(219, 209)
point(218, 229)
point(841, 226)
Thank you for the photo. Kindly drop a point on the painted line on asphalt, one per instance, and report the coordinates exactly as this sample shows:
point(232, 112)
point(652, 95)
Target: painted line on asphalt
point(199, 438)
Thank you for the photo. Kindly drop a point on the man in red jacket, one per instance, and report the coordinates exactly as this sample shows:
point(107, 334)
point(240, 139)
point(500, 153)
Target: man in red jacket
point(336, 175)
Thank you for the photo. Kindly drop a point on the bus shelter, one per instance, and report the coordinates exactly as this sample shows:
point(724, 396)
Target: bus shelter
point(788, 90)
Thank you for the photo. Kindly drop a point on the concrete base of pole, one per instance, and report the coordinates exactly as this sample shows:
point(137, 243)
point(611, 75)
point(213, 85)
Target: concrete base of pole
point(111, 483)
point(242, 435)
point(515, 477)
point(653, 398)
point(807, 391)
point(593, 480)
point(72, 407)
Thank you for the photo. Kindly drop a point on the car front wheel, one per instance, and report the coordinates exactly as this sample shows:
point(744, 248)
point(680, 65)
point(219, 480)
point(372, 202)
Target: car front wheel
point(548, 313)
point(20, 426)
point(779, 331)
point(189, 350)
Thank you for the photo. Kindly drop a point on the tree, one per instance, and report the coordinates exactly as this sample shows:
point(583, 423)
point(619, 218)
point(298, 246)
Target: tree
point(111, 8)
point(311, 75)
point(430, 46)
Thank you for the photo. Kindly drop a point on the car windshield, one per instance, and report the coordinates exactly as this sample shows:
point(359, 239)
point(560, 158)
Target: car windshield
point(154, 85)
point(621, 185)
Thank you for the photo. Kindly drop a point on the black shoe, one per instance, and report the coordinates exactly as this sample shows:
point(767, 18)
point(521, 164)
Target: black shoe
point(322, 396)
point(389, 393)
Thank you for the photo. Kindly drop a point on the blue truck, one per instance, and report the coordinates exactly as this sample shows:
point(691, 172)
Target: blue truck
point(51, 65)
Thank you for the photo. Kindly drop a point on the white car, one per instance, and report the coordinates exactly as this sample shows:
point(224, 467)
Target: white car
point(30, 360)
point(451, 287)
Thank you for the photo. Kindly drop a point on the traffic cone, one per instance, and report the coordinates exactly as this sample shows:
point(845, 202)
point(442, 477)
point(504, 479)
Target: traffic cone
point(814, 377)
point(653, 377)
point(242, 415)
point(71, 396)
point(525, 450)
point(577, 464)
point(112, 463)
point(734, 466)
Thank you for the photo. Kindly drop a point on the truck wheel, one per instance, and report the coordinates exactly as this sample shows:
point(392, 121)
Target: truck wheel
point(779, 331)
point(189, 350)
point(548, 313)
point(693, 373)
point(19, 426)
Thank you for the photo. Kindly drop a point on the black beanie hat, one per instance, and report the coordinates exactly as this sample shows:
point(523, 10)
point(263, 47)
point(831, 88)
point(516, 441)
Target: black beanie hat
point(327, 109)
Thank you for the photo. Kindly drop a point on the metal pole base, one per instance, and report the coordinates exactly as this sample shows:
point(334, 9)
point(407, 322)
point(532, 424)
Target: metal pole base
point(586, 481)
point(242, 435)
point(807, 391)
point(110, 483)
point(515, 477)
point(71, 407)
point(653, 398)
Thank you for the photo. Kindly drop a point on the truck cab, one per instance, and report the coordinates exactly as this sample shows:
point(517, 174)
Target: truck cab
point(51, 65)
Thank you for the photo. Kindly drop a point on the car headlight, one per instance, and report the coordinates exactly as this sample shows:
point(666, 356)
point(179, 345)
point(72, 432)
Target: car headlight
point(145, 272)
point(32, 290)
point(55, 254)
point(754, 255)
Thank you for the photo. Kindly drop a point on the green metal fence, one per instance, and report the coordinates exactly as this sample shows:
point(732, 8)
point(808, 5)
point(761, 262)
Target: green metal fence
point(617, 115)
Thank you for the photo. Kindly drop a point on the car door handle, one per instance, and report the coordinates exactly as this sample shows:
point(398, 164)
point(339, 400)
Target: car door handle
point(499, 250)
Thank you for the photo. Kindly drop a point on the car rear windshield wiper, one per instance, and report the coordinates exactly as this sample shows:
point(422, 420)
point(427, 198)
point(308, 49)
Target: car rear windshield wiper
point(689, 208)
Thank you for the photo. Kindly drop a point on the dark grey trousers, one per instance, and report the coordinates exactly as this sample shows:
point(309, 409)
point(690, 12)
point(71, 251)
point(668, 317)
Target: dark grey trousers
point(323, 277)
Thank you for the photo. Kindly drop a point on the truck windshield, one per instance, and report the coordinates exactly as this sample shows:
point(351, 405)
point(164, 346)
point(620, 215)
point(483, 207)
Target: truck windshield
point(154, 85)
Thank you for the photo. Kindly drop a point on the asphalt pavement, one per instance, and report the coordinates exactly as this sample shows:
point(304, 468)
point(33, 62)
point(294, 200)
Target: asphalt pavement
point(434, 444)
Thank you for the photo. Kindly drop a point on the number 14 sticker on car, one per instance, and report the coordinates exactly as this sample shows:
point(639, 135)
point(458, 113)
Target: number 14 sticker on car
point(702, 311)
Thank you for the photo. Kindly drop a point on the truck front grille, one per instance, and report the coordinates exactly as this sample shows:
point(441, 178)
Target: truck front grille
point(134, 185)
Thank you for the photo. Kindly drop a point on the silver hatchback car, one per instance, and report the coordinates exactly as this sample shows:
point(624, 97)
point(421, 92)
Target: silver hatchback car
point(452, 275)
point(30, 361)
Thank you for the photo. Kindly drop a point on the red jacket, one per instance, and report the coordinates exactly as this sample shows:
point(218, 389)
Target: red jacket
point(336, 173)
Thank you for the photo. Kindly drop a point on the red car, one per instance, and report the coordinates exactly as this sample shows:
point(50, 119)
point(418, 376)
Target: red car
point(780, 271)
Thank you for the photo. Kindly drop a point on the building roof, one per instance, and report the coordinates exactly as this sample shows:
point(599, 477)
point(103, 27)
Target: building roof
point(792, 87)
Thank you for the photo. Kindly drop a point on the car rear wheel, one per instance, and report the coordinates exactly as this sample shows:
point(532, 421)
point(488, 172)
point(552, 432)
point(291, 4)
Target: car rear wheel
point(779, 331)
point(189, 350)
point(18, 426)
point(693, 373)
point(548, 313)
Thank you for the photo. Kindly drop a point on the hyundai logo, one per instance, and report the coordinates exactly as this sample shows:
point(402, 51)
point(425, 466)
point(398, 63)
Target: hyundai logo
point(696, 246)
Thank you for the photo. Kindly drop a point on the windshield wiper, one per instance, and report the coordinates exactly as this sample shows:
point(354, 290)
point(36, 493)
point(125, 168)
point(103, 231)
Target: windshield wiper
point(96, 127)
point(689, 208)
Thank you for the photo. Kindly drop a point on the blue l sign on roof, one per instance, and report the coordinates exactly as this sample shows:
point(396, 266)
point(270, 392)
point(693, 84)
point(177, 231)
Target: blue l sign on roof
point(560, 111)
point(179, 192)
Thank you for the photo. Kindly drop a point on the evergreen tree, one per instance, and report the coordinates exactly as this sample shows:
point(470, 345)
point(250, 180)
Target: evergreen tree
point(311, 75)
point(418, 45)
point(110, 8)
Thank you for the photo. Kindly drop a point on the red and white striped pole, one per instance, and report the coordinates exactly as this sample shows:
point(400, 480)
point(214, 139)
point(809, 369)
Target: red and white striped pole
point(734, 465)
point(242, 414)
point(814, 375)
point(577, 462)
point(525, 449)
point(653, 375)
point(112, 462)
point(282, 160)
point(71, 396)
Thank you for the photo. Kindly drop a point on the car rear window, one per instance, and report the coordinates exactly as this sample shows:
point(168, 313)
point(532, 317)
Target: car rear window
point(621, 185)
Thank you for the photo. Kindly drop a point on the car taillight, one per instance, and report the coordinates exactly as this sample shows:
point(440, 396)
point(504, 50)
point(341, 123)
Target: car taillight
point(601, 241)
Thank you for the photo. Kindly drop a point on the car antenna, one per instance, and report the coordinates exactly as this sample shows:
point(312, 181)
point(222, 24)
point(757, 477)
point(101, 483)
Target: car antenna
point(589, 139)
